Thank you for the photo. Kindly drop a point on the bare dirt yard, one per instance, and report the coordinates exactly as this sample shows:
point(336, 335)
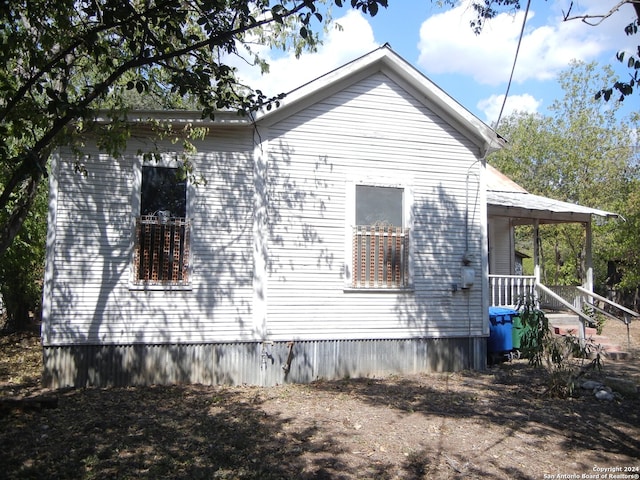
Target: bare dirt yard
point(494, 424)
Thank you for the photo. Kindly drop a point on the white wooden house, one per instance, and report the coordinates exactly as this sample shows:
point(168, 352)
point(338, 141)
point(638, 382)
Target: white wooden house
point(341, 234)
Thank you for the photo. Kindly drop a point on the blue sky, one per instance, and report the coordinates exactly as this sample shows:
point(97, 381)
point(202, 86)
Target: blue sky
point(474, 70)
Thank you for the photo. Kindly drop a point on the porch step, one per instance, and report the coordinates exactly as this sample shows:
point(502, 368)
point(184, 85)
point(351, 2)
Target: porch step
point(574, 330)
point(613, 351)
point(566, 324)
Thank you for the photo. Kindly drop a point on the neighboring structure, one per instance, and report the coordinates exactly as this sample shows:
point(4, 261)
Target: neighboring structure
point(341, 234)
point(519, 262)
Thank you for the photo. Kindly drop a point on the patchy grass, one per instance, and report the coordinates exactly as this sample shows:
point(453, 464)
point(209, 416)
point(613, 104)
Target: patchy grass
point(493, 424)
point(20, 361)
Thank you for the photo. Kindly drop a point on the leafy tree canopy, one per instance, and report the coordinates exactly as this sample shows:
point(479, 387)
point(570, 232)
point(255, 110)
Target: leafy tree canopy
point(65, 60)
point(581, 153)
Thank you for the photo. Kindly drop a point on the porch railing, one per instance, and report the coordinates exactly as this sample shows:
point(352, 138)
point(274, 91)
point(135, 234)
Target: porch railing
point(512, 290)
point(509, 290)
point(568, 293)
point(610, 309)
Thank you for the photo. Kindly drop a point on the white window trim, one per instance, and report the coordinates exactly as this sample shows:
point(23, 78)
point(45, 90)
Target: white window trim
point(166, 161)
point(350, 220)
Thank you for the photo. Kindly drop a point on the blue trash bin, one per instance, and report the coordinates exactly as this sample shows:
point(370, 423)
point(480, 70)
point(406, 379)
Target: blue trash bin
point(500, 330)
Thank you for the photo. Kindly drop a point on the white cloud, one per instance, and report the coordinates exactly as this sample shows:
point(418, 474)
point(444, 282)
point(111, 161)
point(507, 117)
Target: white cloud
point(515, 103)
point(341, 45)
point(447, 44)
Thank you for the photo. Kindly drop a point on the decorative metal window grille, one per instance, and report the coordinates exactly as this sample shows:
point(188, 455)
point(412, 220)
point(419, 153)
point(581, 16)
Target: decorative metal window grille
point(380, 257)
point(161, 250)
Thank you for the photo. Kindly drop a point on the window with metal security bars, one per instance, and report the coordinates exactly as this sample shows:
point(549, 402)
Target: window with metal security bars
point(380, 247)
point(380, 257)
point(162, 250)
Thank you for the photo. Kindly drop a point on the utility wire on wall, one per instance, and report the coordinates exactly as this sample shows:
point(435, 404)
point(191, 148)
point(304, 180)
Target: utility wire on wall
point(513, 67)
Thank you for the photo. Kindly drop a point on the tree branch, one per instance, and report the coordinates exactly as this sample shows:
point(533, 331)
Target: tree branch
point(19, 212)
point(49, 66)
point(601, 18)
point(31, 164)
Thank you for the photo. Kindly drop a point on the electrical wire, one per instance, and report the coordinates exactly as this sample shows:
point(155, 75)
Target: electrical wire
point(513, 67)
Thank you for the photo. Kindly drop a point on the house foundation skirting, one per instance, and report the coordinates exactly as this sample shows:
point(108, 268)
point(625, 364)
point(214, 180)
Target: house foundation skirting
point(256, 363)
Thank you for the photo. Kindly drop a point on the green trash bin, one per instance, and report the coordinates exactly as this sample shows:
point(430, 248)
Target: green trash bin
point(517, 331)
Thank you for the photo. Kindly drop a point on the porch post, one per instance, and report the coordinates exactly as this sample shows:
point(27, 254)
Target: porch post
point(536, 249)
point(588, 258)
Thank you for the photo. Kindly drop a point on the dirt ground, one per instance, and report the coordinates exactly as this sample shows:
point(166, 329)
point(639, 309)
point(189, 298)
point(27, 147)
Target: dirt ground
point(493, 424)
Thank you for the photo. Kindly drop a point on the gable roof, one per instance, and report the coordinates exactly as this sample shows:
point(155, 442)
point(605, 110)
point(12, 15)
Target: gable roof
point(506, 198)
point(386, 61)
point(382, 59)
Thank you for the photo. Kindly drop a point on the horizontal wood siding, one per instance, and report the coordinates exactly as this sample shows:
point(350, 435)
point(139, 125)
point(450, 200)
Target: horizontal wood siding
point(373, 128)
point(501, 254)
point(90, 260)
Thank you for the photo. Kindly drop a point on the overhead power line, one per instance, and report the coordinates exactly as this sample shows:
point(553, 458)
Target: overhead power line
point(513, 67)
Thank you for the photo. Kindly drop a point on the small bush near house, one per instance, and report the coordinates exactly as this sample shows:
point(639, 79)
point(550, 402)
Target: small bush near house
point(565, 357)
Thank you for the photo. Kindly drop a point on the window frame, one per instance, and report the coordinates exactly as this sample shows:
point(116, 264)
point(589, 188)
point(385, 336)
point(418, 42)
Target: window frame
point(166, 161)
point(387, 181)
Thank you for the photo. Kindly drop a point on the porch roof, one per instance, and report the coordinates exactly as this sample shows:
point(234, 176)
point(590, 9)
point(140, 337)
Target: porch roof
point(508, 199)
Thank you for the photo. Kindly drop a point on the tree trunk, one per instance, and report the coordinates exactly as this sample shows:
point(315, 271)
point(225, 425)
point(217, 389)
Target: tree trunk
point(12, 226)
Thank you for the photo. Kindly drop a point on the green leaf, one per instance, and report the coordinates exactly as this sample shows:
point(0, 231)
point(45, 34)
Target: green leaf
point(275, 14)
point(112, 63)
